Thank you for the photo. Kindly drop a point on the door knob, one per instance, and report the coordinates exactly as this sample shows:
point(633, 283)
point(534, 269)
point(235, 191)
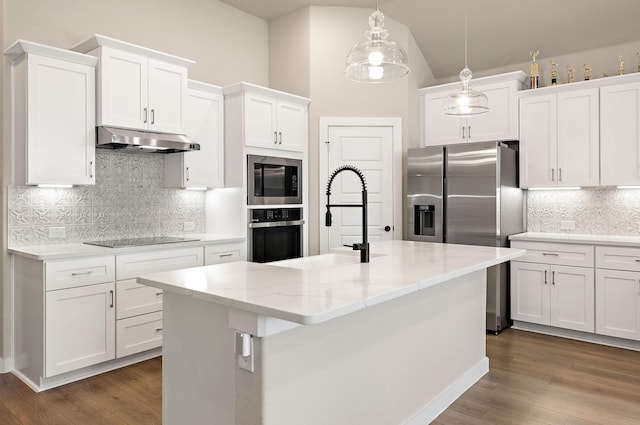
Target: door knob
point(387, 228)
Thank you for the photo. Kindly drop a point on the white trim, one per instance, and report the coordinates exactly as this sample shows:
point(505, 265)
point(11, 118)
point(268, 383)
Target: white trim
point(451, 394)
point(396, 124)
point(611, 341)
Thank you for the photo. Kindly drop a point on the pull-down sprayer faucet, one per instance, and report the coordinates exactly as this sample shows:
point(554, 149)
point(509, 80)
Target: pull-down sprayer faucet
point(364, 246)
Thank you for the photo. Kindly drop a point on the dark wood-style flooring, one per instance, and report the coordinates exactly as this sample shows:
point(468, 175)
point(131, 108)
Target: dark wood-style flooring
point(534, 379)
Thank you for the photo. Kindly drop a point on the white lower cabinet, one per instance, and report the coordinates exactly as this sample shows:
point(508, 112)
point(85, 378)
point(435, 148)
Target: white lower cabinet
point(224, 253)
point(554, 286)
point(80, 327)
point(138, 333)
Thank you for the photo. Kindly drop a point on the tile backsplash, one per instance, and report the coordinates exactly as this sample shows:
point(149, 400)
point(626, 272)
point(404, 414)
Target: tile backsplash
point(598, 211)
point(128, 200)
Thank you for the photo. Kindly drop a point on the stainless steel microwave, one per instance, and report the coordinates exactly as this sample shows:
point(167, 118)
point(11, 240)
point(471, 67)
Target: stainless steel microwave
point(273, 180)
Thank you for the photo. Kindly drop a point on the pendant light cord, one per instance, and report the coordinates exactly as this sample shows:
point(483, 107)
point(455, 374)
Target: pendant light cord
point(466, 4)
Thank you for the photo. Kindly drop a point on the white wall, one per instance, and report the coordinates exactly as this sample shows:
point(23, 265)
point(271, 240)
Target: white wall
point(228, 45)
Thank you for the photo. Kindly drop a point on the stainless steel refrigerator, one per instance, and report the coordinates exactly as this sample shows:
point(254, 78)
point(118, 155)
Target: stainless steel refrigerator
point(468, 194)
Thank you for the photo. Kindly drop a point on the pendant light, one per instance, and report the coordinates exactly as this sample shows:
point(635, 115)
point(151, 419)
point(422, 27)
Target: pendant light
point(466, 102)
point(376, 60)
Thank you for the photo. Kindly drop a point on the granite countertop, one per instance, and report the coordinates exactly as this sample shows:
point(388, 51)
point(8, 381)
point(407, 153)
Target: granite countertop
point(610, 240)
point(65, 251)
point(314, 289)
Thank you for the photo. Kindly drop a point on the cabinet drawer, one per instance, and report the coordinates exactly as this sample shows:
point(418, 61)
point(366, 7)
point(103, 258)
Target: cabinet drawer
point(618, 258)
point(135, 299)
point(556, 253)
point(82, 272)
point(217, 254)
point(129, 266)
point(137, 334)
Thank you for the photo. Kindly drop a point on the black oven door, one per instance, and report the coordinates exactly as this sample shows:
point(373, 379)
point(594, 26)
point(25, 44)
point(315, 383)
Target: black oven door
point(275, 241)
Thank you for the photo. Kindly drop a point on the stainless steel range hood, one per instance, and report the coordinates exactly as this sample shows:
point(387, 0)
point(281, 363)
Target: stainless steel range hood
point(144, 141)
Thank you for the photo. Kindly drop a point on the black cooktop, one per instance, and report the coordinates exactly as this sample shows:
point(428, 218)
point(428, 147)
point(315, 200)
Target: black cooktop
point(156, 240)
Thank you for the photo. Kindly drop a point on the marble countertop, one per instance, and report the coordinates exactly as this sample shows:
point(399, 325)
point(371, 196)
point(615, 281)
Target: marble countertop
point(611, 240)
point(65, 251)
point(315, 289)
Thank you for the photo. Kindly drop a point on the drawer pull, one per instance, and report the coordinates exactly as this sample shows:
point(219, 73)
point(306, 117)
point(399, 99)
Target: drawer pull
point(553, 278)
point(637, 260)
point(81, 273)
point(158, 329)
point(550, 254)
point(226, 255)
point(545, 277)
point(158, 293)
point(112, 298)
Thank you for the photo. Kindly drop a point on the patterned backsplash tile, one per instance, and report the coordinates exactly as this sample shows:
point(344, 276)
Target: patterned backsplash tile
point(598, 211)
point(128, 200)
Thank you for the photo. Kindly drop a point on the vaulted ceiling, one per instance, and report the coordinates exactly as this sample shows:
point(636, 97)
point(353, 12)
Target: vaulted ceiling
point(501, 32)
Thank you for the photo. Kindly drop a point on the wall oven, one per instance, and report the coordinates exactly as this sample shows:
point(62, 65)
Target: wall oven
point(275, 234)
point(273, 180)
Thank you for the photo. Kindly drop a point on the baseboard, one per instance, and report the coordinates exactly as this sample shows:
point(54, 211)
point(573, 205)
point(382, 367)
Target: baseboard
point(6, 365)
point(611, 341)
point(451, 394)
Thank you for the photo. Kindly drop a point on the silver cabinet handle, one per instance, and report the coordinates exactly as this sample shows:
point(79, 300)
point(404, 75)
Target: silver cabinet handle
point(158, 329)
point(158, 293)
point(275, 137)
point(187, 173)
point(469, 132)
point(153, 116)
point(550, 254)
point(230, 254)
point(144, 111)
point(553, 278)
point(463, 132)
point(112, 298)
point(637, 260)
point(553, 175)
point(545, 277)
point(81, 273)
point(559, 174)
point(91, 168)
point(280, 137)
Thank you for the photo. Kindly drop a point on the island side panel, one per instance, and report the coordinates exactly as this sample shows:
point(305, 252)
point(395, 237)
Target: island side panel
point(198, 382)
point(399, 362)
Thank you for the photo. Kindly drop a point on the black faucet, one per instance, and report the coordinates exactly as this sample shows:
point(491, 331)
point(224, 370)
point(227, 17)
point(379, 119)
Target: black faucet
point(364, 246)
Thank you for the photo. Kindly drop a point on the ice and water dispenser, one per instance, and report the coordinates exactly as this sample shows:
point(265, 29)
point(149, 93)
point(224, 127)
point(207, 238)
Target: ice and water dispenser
point(424, 220)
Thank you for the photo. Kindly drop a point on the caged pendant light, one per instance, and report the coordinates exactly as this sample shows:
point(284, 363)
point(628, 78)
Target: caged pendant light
point(466, 102)
point(376, 60)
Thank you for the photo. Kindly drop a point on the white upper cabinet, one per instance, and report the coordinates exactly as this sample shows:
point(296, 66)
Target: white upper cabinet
point(559, 138)
point(500, 123)
point(138, 88)
point(620, 134)
point(269, 118)
point(204, 123)
point(53, 115)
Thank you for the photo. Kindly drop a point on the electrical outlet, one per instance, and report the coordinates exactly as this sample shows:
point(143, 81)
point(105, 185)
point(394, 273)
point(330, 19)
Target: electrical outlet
point(244, 351)
point(567, 225)
point(57, 232)
point(189, 226)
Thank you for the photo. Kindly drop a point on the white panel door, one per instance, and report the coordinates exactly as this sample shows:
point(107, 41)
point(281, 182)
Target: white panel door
point(572, 298)
point(530, 283)
point(620, 135)
point(292, 126)
point(79, 327)
point(538, 141)
point(61, 122)
point(370, 149)
point(618, 303)
point(260, 121)
point(167, 94)
point(124, 89)
point(578, 138)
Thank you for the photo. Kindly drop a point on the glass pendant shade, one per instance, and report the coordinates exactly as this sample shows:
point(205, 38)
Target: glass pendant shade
point(466, 102)
point(376, 60)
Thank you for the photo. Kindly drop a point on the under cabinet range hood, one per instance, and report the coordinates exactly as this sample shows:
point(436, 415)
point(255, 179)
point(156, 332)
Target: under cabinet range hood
point(143, 141)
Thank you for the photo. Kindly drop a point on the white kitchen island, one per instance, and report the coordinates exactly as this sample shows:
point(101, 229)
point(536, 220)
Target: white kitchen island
point(334, 341)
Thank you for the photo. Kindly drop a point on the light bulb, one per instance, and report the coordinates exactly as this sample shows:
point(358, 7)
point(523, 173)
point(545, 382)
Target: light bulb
point(375, 58)
point(376, 72)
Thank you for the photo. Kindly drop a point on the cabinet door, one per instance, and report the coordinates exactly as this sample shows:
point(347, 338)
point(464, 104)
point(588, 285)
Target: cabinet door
point(124, 89)
point(292, 126)
point(620, 135)
point(260, 121)
point(572, 298)
point(167, 96)
point(501, 122)
point(61, 122)
point(438, 128)
point(204, 124)
point(618, 303)
point(578, 138)
point(530, 292)
point(79, 327)
point(538, 141)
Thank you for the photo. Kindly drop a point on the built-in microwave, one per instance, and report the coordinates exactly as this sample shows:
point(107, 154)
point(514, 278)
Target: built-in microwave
point(273, 180)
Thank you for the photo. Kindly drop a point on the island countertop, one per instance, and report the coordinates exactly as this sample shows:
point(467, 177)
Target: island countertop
point(315, 289)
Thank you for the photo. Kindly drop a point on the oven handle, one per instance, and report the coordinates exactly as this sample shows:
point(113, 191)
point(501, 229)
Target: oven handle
point(276, 224)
